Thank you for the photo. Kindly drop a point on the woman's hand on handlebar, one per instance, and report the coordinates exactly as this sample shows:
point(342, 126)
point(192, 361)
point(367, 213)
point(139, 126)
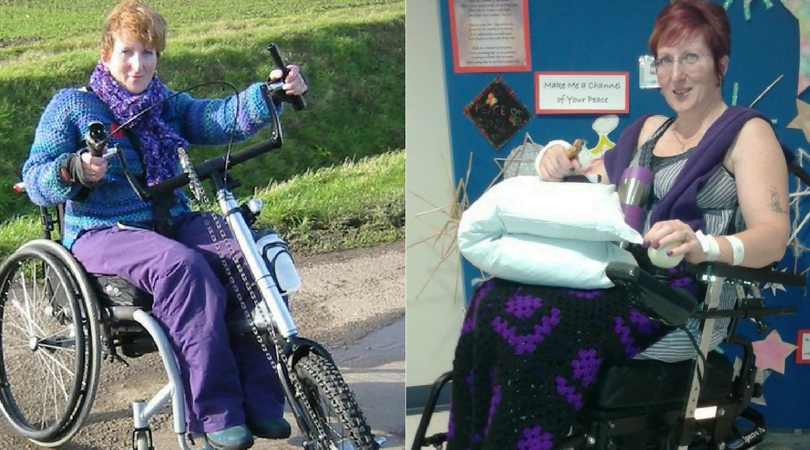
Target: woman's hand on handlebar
point(555, 165)
point(294, 83)
point(93, 167)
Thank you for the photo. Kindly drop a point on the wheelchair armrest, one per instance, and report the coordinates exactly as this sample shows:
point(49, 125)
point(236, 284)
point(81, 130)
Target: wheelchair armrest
point(655, 298)
point(764, 275)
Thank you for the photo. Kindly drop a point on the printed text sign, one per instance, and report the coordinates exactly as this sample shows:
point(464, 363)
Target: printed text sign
point(581, 92)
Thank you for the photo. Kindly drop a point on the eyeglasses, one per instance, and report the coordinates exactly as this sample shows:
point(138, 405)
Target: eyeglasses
point(666, 63)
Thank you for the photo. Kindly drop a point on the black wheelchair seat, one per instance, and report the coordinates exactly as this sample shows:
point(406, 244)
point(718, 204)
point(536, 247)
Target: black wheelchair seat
point(647, 383)
point(113, 290)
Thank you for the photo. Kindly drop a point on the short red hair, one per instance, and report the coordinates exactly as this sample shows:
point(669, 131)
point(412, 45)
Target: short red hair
point(134, 19)
point(681, 19)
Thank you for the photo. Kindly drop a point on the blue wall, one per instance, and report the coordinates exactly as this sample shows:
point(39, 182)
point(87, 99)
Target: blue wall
point(587, 35)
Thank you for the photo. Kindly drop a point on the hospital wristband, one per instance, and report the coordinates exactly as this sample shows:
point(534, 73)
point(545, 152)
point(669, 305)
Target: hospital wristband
point(709, 245)
point(737, 249)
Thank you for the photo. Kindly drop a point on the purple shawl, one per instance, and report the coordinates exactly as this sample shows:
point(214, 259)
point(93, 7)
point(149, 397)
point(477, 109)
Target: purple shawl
point(157, 142)
point(681, 200)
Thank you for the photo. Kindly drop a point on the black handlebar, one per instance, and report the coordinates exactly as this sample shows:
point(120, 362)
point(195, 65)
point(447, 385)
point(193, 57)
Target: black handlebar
point(205, 169)
point(297, 101)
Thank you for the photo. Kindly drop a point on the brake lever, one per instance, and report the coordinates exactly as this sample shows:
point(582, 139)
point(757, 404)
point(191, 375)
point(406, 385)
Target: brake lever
point(297, 101)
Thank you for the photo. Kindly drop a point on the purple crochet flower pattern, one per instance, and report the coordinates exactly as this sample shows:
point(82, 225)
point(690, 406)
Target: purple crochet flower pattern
point(469, 322)
point(569, 392)
point(158, 142)
point(523, 306)
point(585, 366)
point(584, 294)
point(644, 324)
point(535, 439)
point(527, 343)
point(624, 337)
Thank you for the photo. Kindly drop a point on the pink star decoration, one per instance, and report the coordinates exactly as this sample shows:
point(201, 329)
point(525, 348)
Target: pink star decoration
point(772, 351)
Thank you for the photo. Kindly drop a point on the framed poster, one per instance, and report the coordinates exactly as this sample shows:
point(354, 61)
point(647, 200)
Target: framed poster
point(582, 92)
point(497, 112)
point(490, 35)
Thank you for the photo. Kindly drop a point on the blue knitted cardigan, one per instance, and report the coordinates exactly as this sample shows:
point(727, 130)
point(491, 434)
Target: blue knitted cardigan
point(63, 125)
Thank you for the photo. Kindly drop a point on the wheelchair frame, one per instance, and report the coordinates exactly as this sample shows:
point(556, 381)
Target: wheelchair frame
point(694, 412)
point(314, 388)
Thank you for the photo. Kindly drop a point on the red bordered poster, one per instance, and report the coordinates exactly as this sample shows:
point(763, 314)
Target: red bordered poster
point(803, 350)
point(490, 35)
point(582, 92)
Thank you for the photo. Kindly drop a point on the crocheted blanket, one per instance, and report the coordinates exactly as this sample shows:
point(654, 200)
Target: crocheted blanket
point(528, 357)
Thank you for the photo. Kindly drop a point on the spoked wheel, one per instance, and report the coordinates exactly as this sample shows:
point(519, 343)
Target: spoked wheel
point(48, 369)
point(336, 420)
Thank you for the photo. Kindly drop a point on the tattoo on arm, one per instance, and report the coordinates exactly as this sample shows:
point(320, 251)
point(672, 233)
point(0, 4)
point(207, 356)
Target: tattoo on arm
point(776, 204)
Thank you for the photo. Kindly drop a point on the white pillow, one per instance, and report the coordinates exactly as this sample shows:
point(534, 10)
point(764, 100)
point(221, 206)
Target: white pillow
point(526, 205)
point(553, 234)
point(546, 261)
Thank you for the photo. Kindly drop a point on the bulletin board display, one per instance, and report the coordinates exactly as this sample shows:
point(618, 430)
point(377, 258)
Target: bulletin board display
point(602, 43)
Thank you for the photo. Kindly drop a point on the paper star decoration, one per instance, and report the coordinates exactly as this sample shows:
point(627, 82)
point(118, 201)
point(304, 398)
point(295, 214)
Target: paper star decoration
point(802, 119)
point(772, 351)
point(774, 287)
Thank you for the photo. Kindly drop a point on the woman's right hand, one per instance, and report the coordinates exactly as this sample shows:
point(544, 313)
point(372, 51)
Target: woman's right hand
point(555, 165)
point(93, 167)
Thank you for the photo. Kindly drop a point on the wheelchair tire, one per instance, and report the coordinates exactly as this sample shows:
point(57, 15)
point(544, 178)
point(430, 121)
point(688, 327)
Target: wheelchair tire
point(43, 289)
point(332, 407)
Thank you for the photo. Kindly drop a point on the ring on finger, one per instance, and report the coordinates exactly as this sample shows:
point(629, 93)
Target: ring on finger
point(685, 236)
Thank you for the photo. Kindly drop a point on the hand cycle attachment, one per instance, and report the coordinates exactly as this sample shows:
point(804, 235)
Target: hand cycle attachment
point(313, 385)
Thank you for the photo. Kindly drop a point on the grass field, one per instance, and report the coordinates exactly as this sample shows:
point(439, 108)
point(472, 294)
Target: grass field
point(352, 53)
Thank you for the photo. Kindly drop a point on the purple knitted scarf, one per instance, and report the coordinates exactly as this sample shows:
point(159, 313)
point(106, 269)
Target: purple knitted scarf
point(157, 141)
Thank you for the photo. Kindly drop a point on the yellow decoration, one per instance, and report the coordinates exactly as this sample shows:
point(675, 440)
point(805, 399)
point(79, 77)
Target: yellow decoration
point(802, 119)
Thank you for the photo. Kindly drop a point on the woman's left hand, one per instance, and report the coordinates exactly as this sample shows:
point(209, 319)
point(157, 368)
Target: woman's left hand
point(294, 84)
point(666, 232)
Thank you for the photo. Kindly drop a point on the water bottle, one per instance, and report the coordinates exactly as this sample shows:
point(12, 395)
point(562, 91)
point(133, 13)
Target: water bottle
point(279, 262)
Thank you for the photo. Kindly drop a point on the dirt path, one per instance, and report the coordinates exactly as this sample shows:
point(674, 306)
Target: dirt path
point(353, 302)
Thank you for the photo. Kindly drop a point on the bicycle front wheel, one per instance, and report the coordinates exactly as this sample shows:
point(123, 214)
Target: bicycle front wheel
point(336, 421)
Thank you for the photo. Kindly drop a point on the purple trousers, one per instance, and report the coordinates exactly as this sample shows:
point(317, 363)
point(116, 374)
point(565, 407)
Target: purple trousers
point(227, 380)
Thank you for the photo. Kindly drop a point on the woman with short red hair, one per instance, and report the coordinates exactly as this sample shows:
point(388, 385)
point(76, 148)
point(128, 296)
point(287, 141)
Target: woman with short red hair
point(528, 355)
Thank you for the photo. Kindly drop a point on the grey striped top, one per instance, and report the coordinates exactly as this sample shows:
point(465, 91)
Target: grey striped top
point(718, 201)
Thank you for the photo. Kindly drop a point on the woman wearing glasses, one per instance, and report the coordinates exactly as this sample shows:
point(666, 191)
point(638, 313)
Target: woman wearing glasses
point(514, 388)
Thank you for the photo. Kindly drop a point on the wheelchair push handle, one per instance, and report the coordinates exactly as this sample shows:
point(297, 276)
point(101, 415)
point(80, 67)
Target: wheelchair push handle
point(297, 101)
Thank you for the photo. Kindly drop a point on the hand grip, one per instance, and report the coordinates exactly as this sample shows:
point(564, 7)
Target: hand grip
point(297, 101)
point(96, 138)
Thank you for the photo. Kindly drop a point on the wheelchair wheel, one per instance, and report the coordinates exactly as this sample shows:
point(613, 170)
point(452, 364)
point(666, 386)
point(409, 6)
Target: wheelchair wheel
point(49, 349)
point(335, 418)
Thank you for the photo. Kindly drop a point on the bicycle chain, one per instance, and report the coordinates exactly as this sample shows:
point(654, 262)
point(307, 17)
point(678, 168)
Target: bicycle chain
point(299, 391)
point(194, 183)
